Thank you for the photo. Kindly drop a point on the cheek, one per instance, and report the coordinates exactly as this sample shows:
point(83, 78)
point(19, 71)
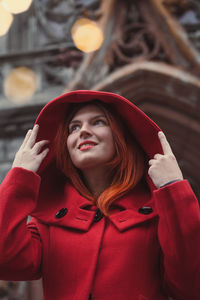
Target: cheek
point(110, 143)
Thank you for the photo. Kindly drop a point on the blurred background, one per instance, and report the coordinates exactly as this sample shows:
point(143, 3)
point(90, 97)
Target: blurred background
point(145, 50)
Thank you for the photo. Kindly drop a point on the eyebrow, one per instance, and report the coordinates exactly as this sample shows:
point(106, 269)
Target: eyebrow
point(77, 121)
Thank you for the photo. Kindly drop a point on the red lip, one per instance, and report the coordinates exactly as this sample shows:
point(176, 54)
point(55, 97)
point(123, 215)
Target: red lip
point(86, 142)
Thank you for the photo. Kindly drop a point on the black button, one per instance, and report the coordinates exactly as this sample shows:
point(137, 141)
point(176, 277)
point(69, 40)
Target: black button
point(61, 213)
point(98, 216)
point(145, 210)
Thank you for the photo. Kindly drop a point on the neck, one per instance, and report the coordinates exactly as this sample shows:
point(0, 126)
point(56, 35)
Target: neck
point(96, 180)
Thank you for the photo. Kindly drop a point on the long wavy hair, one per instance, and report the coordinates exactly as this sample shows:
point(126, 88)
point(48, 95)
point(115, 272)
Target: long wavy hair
point(126, 168)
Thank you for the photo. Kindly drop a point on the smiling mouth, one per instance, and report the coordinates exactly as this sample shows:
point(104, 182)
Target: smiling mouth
point(86, 143)
point(86, 147)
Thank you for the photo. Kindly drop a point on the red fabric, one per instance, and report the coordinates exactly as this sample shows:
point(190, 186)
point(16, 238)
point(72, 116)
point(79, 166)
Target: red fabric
point(129, 256)
point(141, 126)
point(115, 258)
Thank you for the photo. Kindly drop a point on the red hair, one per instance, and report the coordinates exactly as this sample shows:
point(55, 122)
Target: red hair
point(126, 168)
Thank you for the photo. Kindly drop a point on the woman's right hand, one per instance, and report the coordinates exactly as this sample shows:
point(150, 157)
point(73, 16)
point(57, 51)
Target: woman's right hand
point(29, 156)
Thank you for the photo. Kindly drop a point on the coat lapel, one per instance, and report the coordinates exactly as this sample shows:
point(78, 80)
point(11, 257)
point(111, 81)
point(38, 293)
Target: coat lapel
point(74, 211)
point(136, 207)
point(130, 218)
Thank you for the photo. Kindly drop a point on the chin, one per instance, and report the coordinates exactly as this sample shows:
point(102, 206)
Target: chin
point(88, 163)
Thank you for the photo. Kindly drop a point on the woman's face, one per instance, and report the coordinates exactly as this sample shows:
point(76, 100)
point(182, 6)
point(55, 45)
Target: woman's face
point(90, 141)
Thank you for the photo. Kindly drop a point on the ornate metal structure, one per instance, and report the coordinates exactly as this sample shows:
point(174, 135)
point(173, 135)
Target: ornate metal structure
point(150, 54)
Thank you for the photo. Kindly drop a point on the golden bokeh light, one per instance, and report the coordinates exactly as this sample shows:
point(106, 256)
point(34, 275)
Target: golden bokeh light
point(87, 35)
point(6, 20)
point(16, 7)
point(20, 85)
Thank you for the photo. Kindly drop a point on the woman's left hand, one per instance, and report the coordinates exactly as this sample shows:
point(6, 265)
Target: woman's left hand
point(164, 168)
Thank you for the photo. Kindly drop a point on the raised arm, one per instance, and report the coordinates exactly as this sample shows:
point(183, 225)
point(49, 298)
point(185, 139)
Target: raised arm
point(20, 244)
point(178, 228)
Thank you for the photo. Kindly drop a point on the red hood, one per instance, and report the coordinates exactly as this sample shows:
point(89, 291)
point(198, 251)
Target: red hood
point(140, 125)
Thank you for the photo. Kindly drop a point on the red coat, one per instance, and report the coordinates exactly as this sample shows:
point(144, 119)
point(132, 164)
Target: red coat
point(148, 249)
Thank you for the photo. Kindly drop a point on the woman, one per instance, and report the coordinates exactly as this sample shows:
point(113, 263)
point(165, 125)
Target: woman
point(112, 216)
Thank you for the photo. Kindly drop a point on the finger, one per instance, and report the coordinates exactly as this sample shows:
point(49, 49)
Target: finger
point(164, 143)
point(38, 146)
point(28, 134)
point(151, 162)
point(31, 141)
point(157, 156)
point(43, 153)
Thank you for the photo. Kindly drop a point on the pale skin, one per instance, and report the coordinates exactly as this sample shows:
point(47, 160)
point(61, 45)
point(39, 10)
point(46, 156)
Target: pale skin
point(90, 124)
point(163, 167)
point(28, 156)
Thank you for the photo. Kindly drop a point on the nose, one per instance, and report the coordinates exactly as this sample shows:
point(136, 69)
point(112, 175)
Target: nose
point(85, 130)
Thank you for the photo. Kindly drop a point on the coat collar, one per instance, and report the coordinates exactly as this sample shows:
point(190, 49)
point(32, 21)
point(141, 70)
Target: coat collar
point(74, 211)
point(135, 208)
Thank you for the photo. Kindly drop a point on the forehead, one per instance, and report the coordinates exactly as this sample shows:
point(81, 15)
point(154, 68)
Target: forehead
point(89, 110)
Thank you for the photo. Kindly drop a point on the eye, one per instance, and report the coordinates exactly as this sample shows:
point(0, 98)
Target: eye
point(100, 122)
point(73, 128)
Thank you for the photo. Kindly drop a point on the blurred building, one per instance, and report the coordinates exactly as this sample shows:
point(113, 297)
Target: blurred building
point(146, 50)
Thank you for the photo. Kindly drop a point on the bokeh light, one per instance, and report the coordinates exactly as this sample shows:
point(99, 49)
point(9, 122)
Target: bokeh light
point(6, 20)
point(20, 85)
point(87, 35)
point(16, 7)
